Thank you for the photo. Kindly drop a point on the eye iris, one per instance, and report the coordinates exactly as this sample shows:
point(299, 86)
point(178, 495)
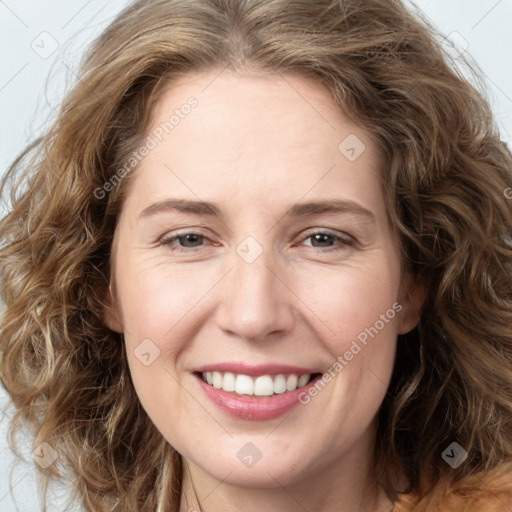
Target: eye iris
point(191, 237)
point(323, 237)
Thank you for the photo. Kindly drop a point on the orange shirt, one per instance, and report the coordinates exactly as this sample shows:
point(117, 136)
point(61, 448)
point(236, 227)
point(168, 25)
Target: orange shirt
point(489, 492)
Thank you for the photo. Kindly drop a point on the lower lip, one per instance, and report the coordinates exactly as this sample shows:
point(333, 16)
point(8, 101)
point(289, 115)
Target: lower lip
point(249, 407)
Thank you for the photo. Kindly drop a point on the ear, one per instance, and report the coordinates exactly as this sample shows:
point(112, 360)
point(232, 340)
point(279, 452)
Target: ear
point(111, 314)
point(412, 296)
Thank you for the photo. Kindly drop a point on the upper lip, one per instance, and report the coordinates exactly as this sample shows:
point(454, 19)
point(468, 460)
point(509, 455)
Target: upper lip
point(255, 370)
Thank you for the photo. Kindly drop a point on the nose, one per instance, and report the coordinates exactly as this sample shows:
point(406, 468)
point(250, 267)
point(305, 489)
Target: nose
point(256, 301)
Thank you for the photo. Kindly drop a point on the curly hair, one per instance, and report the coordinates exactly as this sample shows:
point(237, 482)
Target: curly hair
point(445, 173)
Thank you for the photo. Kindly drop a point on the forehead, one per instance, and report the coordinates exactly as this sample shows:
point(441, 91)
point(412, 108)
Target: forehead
point(254, 104)
point(266, 137)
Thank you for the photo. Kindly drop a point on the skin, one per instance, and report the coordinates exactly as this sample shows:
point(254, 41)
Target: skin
point(257, 145)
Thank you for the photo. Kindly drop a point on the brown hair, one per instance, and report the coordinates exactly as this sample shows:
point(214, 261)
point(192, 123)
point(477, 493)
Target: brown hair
point(445, 171)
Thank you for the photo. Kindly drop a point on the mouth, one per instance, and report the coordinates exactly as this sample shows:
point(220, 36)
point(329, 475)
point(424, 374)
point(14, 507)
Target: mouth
point(265, 385)
point(258, 396)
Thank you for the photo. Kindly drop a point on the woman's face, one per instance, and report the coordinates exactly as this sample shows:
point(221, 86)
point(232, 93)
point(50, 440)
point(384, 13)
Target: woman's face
point(221, 276)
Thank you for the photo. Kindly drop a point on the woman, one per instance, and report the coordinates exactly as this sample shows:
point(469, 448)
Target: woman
point(337, 335)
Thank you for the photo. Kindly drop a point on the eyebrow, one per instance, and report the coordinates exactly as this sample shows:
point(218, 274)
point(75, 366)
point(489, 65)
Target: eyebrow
point(297, 210)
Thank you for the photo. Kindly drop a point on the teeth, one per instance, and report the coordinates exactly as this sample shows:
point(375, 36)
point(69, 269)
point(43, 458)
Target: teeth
point(303, 380)
point(217, 380)
point(264, 385)
point(229, 383)
point(279, 384)
point(291, 382)
point(244, 385)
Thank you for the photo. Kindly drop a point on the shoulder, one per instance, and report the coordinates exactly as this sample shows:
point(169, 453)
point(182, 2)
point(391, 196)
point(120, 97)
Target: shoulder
point(482, 492)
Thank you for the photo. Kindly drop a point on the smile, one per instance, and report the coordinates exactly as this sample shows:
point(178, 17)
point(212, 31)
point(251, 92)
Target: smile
point(255, 393)
point(263, 385)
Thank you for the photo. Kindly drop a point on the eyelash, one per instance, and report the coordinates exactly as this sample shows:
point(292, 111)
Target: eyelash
point(170, 240)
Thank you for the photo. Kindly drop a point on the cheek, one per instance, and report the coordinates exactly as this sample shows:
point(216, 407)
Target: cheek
point(157, 304)
point(353, 302)
point(156, 297)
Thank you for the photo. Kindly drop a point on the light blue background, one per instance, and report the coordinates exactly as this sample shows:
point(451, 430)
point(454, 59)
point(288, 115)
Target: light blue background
point(31, 88)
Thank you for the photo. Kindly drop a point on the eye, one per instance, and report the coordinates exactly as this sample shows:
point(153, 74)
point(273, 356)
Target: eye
point(184, 242)
point(323, 239)
point(190, 241)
